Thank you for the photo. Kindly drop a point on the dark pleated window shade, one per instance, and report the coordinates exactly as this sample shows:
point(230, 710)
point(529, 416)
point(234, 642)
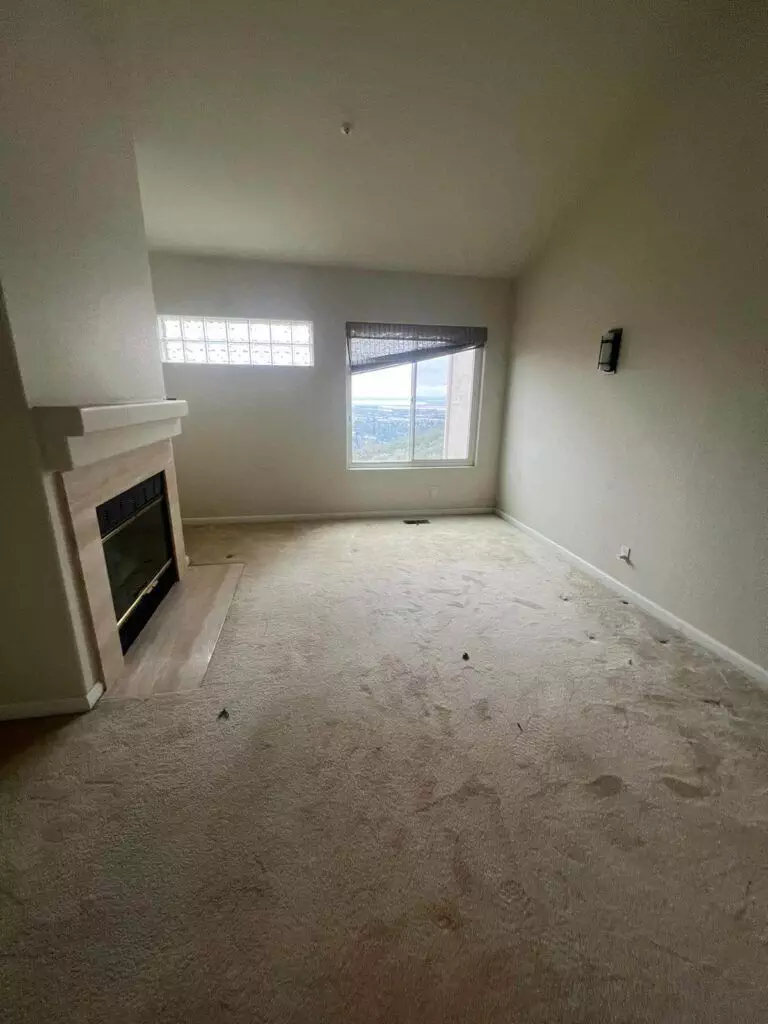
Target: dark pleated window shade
point(377, 346)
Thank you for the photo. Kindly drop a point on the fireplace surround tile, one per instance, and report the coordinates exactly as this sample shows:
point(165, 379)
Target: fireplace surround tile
point(83, 490)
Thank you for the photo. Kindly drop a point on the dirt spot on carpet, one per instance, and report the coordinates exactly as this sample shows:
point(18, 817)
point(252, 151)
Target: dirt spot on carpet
point(686, 677)
point(717, 702)
point(482, 710)
point(397, 842)
point(515, 899)
point(527, 604)
point(446, 918)
point(460, 869)
point(628, 842)
point(741, 911)
point(683, 789)
point(605, 785)
point(707, 759)
point(473, 787)
point(660, 698)
point(366, 688)
point(576, 853)
point(444, 718)
point(425, 793)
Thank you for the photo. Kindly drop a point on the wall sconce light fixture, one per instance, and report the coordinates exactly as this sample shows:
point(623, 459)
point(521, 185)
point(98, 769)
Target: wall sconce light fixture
point(610, 343)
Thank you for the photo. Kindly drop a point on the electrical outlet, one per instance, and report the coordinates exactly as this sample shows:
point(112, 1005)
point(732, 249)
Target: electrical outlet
point(434, 491)
point(624, 553)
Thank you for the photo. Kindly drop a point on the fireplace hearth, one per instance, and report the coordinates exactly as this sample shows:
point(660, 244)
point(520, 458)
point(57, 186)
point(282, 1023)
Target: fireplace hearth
point(136, 536)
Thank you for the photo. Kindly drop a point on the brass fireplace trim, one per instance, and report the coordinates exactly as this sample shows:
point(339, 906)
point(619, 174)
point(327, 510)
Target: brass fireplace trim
point(130, 519)
point(143, 593)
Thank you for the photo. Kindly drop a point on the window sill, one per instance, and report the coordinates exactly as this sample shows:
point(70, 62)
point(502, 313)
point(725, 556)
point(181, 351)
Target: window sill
point(357, 467)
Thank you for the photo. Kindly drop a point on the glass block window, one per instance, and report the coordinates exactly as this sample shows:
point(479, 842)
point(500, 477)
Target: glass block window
point(194, 339)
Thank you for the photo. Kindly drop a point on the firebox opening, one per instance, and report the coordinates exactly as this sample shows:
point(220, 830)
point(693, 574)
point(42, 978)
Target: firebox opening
point(138, 549)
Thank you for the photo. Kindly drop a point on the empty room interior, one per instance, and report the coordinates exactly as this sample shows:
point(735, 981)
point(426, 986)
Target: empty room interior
point(384, 512)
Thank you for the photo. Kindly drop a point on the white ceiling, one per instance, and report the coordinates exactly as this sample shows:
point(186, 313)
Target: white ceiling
point(475, 122)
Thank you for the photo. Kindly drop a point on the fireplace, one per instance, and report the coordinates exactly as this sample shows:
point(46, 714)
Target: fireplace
point(136, 535)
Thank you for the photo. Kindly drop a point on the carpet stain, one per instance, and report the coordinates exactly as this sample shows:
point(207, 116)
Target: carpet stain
point(461, 872)
point(473, 787)
point(707, 760)
point(446, 918)
point(660, 698)
point(606, 785)
point(53, 833)
point(397, 842)
point(576, 853)
point(683, 789)
point(444, 718)
point(628, 842)
point(425, 794)
point(741, 911)
point(514, 897)
point(482, 710)
point(11, 897)
point(527, 604)
point(717, 702)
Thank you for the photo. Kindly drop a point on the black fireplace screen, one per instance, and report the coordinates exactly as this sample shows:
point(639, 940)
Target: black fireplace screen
point(138, 549)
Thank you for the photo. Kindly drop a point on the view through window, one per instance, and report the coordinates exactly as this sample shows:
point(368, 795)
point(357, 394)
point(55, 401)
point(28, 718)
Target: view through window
point(415, 412)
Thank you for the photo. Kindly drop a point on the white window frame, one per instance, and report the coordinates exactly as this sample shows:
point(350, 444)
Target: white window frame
point(227, 320)
point(478, 379)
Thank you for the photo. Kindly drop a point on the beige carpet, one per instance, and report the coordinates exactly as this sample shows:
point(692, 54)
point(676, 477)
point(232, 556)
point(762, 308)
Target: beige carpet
point(571, 825)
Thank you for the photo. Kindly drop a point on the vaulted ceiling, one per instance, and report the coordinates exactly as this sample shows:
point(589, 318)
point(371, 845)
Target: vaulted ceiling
point(474, 123)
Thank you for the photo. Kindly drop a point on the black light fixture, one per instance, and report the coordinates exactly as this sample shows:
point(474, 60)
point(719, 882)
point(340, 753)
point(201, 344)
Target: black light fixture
point(610, 343)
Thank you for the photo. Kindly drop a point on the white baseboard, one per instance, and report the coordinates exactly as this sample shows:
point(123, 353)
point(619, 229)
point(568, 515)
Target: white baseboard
point(749, 668)
point(44, 708)
point(408, 513)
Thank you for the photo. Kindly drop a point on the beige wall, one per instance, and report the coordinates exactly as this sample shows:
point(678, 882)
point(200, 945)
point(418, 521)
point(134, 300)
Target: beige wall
point(266, 441)
point(669, 456)
point(73, 256)
point(39, 654)
point(79, 327)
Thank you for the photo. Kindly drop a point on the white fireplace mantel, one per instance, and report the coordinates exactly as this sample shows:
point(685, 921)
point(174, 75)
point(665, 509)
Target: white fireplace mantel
point(72, 436)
